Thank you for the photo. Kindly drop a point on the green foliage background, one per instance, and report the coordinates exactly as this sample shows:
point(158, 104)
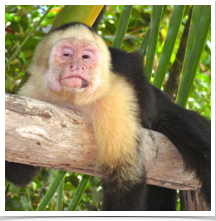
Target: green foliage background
point(20, 21)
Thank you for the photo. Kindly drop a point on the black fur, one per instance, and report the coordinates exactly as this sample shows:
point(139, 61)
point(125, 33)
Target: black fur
point(20, 174)
point(68, 25)
point(189, 132)
point(126, 196)
point(160, 199)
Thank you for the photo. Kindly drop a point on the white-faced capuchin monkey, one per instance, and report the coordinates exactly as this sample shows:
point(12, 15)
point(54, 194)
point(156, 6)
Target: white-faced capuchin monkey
point(73, 67)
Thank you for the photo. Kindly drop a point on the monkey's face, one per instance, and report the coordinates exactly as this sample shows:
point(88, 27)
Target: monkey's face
point(74, 66)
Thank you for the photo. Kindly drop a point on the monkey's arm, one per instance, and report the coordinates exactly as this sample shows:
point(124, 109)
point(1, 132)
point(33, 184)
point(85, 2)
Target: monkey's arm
point(117, 133)
point(115, 124)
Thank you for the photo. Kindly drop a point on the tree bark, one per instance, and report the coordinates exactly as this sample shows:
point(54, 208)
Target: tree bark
point(193, 201)
point(45, 135)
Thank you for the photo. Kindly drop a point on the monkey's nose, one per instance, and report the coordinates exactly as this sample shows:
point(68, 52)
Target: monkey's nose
point(77, 68)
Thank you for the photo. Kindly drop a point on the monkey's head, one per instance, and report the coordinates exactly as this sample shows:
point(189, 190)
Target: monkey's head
point(72, 62)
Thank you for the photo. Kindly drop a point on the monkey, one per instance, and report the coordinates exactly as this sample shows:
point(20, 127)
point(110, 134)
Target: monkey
point(73, 67)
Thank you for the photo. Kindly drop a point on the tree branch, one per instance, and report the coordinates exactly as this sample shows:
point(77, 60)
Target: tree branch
point(45, 135)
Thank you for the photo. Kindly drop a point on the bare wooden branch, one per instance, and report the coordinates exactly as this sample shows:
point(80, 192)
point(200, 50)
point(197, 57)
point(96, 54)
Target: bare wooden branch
point(45, 135)
point(193, 201)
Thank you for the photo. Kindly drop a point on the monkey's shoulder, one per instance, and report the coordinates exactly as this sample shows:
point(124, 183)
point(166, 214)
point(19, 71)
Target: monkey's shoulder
point(126, 64)
point(130, 66)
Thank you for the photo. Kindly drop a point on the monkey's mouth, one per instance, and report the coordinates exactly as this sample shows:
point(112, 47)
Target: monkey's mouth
point(74, 82)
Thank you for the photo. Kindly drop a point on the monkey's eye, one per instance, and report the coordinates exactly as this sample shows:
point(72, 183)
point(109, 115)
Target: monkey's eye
point(85, 56)
point(66, 54)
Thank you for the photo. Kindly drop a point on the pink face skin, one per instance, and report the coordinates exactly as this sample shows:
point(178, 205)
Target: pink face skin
point(73, 65)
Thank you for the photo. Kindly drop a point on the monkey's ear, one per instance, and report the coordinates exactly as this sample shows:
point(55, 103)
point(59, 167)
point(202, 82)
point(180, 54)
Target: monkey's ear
point(98, 20)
